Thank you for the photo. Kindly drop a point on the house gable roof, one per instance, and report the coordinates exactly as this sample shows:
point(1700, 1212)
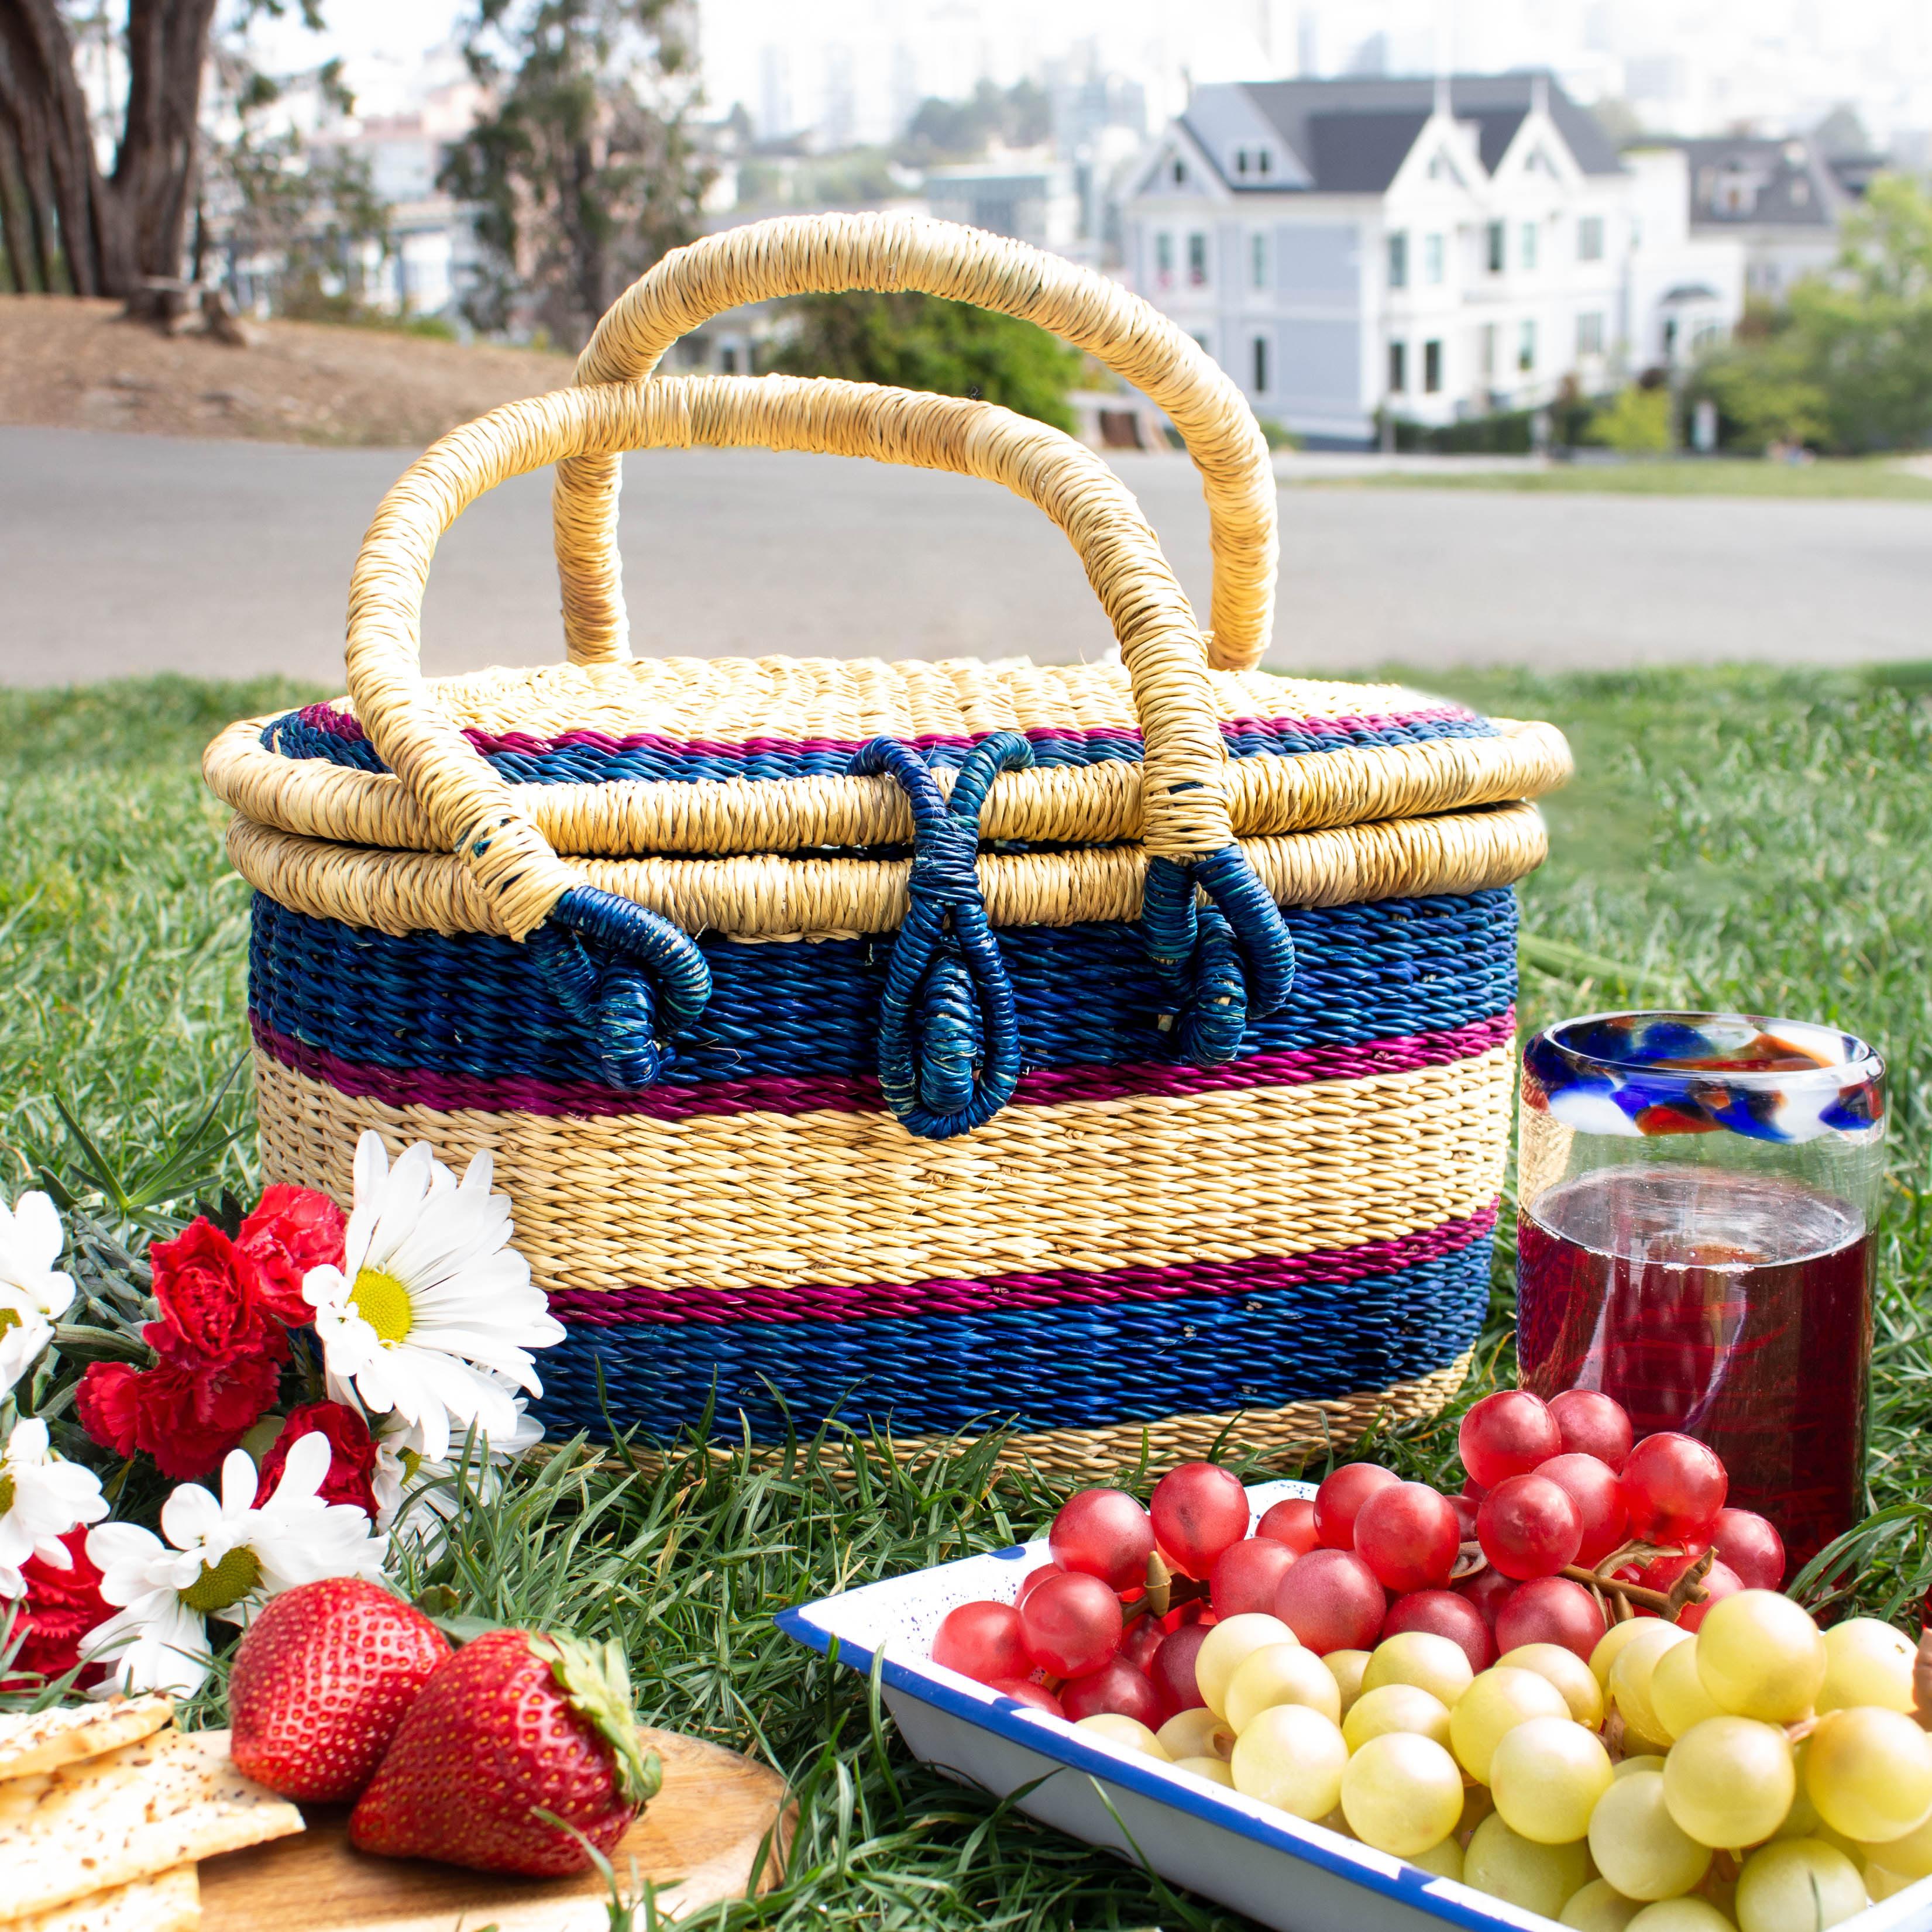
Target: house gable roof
point(1739, 181)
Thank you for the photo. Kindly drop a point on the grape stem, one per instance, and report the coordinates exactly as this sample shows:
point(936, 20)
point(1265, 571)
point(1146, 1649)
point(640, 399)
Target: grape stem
point(1165, 1591)
point(1669, 1604)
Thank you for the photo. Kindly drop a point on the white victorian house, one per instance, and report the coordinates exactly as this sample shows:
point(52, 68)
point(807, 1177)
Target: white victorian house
point(1437, 248)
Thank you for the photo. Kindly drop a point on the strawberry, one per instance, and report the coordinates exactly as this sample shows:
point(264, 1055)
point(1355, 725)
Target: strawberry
point(321, 1679)
point(513, 1725)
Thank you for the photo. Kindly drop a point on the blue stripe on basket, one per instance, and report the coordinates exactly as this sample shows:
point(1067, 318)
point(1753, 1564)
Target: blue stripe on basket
point(297, 735)
point(1087, 1366)
point(472, 1004)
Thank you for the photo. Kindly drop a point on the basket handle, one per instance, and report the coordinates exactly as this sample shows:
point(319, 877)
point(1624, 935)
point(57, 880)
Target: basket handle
point(800, 255)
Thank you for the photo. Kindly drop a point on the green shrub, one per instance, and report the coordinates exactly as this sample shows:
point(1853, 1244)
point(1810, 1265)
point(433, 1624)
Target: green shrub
point(1636, 420)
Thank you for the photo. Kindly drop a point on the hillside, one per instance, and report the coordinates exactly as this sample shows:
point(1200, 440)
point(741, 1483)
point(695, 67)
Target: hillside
point(75, 365)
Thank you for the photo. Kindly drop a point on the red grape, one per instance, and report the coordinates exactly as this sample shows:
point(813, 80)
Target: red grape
point(982, 1641)
point(1528, 1527)
point(1116, 1686)
point(1172, 1672)
point(1071, 1625)
point(1340, 1499)
point(1291, 1521)
point(1660, 1572)
point(1590, 1484)
point(1032, 1579)
point(1408, 1534)
point(1473, 1490)
point(1199, 1509)
point(1550, 1609)
point(1720, 1581)
point(1246, 1574)
point(1592, 1423)
point(1673, 1486)
point(1024, 1690)
point(1752, 1548)
point(1445, 1613)
point(1466, 1508)
point(1145, 1635)
point(1330, 1600)
point(1103, 1533)
point(1488, 1590)
point(1508, 1434)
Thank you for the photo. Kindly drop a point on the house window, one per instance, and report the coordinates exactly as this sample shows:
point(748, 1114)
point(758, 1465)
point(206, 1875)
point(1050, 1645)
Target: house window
point(1525, 347)
point(1590, 238)
point(1180, 171)
point(1432, 258)
point(1398, 260)
point(1240, 160)
point(1497, 245)
point(728, 359)
point(1487, 353)
point(1590, 333)
point(1261, 161)
point(1163, 260)
point(1431, 368)
point(1259, 348)
point(1257, 260)
point(1528, 245)
point(1197, 261)
point(1398, 368)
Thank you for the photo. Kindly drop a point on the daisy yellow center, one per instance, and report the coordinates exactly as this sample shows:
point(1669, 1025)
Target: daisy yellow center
point(6, 1492)
point(221, 1585)
point(383, 1302)
point(10, 1318)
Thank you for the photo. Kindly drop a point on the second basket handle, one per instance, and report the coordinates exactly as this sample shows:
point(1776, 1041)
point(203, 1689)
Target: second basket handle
point(806, 254)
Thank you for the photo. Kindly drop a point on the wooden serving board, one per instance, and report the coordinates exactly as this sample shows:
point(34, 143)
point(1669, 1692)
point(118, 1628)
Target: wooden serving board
point(702, 1833)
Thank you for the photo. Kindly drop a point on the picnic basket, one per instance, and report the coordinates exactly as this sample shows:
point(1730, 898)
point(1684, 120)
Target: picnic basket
point(1120, 1051)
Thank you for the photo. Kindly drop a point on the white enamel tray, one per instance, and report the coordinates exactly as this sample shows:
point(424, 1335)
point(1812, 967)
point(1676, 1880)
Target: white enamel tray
point(1295, 1876)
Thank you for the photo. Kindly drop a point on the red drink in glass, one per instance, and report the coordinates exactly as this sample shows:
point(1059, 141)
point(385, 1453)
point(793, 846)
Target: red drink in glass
point(1735, 1307)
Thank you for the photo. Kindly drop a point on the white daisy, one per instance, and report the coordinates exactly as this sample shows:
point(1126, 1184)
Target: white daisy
point(221, 1559)
point(432, 1315)
point(41, 1499)
point(417, 1495)
point(33, 1294)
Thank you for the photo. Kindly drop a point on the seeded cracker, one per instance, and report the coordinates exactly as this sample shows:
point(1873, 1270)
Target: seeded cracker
point(170, 1902)
point(135, 1812)
point(47, 1739)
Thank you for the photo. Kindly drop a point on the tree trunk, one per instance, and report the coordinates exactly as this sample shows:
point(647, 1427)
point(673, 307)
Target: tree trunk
point(97, 235)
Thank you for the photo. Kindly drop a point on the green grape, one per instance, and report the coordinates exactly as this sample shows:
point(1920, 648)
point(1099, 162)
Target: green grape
point(1639, 1846)
point(1279, 1673)
point(1882, 1884)
point(1600, 1907)
point(1445, 1860)
point(1728, 1781)
point(1610, 1647)
point(1629, 1686)
point(1760, 1656)
point(1402, 1793)
point(1196, 1733)
point(1421, 1657)
point(1291, 1757)
point(1539, 1878)
point(1677, 1692)
point(1797, 1885)
point(1869, 1772)
point(1346, 1667)
point(1568, 1673)
point(1214, 1769)
point(1498, 1701)
point(1228, 1645)
point(1395, 1707)
point(1546, 1776)
point(1910, 1856)
point(1680, 1915)
point(1629, 1767)
point(1867, 1662)
point(1130, 1733)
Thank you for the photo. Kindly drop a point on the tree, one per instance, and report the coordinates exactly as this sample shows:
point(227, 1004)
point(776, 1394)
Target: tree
point(923, 342)
point(1020, 116)
point(583, 173)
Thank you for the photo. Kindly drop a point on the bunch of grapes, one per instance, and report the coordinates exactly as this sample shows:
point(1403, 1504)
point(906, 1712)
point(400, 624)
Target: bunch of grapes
point(1415, 1670)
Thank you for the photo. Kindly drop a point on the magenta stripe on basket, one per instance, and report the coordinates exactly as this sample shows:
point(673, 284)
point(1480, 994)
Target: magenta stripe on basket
point(1014, 1293)
point(1045, 1087)
point(523, 744)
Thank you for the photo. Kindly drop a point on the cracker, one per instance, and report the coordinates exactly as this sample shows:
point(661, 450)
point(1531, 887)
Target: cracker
point(167, 1800)
point(168, 1902)
point(47, 1739)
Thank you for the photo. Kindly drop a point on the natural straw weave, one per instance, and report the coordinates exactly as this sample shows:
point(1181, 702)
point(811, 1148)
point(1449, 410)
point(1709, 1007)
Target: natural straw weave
point(647, 931)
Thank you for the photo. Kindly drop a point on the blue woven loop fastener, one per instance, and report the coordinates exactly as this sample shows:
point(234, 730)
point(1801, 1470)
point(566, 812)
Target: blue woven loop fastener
point(1226, 962)
point(628, 977)
point(949, 1031)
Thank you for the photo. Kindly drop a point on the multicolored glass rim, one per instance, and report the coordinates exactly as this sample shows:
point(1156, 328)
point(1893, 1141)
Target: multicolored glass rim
point(1654, 1074)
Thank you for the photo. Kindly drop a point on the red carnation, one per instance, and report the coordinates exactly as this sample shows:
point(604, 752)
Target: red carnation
point(351, 1461)
point(109, 1405)
point(293, 1230)
point(210, 1293)
point(188, 1411)
point(60, 1608)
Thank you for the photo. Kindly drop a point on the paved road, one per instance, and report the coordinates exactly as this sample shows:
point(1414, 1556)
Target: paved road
point(121, 555)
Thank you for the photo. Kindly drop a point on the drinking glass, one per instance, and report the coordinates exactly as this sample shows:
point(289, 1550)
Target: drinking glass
point(1698, 1193)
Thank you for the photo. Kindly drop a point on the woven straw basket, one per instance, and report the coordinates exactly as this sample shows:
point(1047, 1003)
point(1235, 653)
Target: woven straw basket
point(1121, 1051)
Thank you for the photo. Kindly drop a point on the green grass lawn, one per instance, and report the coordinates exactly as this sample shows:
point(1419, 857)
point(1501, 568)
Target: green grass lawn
point(1737, 838)
point(1828, 477)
